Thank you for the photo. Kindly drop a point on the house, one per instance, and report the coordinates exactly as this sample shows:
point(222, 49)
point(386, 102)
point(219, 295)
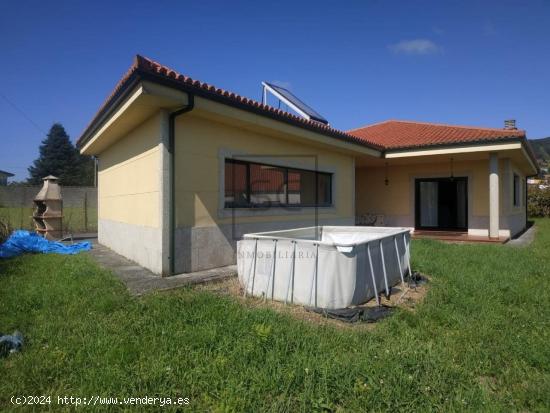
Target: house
point(186, 168)
point(4, 177)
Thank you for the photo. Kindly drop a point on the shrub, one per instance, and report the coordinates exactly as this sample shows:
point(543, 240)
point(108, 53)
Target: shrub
point(538, 202)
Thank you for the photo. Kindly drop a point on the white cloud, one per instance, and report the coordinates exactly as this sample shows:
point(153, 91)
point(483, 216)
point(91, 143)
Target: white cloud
point(415, 47)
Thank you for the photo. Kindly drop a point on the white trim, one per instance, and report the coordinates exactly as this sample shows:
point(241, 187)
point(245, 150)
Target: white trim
point(460, 149)
point(139, 91)
point(274, 211)
point(494, 195)
point(535, 169)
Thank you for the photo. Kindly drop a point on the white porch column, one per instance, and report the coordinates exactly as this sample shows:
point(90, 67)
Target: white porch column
point(494, 208)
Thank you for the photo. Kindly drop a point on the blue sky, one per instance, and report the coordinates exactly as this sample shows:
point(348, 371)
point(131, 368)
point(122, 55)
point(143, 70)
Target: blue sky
point(356, 62)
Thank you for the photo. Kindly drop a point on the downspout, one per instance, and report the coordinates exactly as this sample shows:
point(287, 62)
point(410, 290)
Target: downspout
point(172, 151)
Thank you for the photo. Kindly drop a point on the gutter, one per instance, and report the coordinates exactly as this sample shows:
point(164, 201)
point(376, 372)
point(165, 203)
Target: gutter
point(172, 151)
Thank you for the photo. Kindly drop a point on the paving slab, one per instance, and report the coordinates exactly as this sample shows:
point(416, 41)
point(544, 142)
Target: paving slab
point(141, 281)
point(524, 239)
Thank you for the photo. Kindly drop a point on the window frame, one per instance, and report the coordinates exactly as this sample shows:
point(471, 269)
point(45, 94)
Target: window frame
point(286, 204)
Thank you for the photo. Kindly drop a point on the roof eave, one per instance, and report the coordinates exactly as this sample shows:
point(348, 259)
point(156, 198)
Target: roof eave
point(124, 90)
point(522, 139)
point(139, 75)
point(454, 144)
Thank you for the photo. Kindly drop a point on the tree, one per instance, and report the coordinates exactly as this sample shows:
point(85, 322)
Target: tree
point(59, 157)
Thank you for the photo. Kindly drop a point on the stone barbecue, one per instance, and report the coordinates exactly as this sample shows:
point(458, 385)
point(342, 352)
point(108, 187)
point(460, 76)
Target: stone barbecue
point(48, 209)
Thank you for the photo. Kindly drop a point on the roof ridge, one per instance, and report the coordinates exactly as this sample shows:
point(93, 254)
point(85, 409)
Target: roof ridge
point(370, 124)
point(145, 63)
point(447, 125)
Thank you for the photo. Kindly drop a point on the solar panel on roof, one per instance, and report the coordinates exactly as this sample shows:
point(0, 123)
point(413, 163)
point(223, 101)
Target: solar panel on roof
point(287, 97)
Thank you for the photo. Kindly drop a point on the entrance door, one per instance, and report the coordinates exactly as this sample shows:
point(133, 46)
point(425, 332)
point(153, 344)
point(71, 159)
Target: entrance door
point(441, 204)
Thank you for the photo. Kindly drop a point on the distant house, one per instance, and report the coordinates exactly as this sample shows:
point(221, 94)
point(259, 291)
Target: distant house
point(4, 177)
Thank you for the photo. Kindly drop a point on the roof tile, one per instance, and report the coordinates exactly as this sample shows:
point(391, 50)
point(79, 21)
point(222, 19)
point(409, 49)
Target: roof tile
point(399, 134)
point(144, 65)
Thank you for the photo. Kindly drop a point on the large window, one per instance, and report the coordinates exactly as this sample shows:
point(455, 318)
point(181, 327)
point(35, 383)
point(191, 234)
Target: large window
point(251, 184)
point(517, 198)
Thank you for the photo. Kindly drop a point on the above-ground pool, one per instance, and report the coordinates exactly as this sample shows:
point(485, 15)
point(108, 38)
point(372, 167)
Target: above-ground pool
point(326, 267)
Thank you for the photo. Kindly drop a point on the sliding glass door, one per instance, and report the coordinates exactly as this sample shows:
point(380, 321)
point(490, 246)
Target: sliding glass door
point(441, 203)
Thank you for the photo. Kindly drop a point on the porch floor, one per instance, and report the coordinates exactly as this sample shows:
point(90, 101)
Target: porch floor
point(455, 236)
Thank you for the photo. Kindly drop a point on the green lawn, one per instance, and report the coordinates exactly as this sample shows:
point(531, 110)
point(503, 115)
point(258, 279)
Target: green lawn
point(479, 342)
point(75, 219)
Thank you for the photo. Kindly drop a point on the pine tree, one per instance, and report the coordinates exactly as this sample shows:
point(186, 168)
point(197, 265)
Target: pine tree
point(59, 157)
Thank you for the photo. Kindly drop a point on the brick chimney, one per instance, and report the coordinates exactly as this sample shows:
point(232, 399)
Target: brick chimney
point(510, 124)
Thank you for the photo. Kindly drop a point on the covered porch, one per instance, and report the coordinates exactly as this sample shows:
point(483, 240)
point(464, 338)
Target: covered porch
point(461, 193)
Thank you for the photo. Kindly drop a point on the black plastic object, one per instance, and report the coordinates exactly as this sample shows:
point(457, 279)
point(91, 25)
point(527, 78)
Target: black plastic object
point(417, 280)
point(10, 344)
point(355, 315)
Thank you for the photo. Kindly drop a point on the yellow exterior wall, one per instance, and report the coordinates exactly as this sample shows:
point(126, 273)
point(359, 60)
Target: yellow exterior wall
point(129, 177)
point(199, 141)
point(396, 200)
point(373, 196)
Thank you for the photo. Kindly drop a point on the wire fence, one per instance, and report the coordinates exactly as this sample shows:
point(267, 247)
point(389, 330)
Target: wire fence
point(79, 207)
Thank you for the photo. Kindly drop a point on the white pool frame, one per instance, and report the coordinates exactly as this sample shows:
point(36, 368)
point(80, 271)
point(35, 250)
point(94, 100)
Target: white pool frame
point(326, 266)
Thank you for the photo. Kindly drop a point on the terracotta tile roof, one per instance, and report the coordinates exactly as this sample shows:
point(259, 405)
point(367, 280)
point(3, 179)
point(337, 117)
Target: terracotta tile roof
point(388, 135)
point(144, 68)
point(398, 134)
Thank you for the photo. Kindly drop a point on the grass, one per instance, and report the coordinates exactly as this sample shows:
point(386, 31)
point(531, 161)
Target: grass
point(74, 218)
point(479, 342)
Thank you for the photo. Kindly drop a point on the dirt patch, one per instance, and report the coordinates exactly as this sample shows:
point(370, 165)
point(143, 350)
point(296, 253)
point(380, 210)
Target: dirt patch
point(406, 297)
point(488, 383)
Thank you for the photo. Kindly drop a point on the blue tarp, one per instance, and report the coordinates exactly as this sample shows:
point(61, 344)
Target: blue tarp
point(22, 241)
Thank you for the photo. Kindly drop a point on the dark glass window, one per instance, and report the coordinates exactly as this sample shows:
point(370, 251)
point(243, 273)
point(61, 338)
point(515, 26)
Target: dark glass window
point(267, 185)
point(251, 184)
point(517, 201)
point(302, 186)
point(236, 184)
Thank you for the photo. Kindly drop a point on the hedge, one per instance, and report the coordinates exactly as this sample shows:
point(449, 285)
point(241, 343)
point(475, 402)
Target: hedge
point(538, 202)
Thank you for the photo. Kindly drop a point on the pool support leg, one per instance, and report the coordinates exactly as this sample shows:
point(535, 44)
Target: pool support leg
point(272, 278)
point(291, 280)
point(407, 254)
point(384, 270)
point(369, 257)
point(253, 269)
point(399, 261)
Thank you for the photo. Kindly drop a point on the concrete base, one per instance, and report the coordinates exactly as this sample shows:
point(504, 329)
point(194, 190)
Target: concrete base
point(202, 248)
point(478, 225)
point(140, 280)
point(525, 239)
point(137, 243)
